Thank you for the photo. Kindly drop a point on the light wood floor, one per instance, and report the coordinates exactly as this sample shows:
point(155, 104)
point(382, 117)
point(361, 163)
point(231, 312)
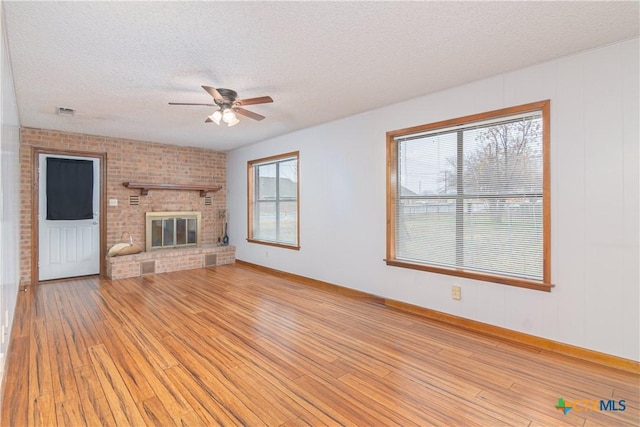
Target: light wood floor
point(234, 346)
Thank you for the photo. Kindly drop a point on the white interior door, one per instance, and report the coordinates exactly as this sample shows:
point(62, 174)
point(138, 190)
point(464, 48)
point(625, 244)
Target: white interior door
point(68, 248)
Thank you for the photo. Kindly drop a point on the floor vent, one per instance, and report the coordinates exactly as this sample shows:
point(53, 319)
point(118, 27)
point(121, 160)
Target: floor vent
point(208, 201)
point(147, 267)
point(211, 260)
point(134, 200)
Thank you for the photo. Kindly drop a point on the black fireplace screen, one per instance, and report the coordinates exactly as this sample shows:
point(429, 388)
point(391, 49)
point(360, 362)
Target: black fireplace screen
point(173, 232)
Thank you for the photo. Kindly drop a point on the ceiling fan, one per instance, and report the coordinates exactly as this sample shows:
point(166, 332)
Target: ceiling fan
point(228, 105)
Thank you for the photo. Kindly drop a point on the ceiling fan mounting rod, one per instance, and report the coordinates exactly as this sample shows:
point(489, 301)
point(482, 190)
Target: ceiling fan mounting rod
point(228, 95)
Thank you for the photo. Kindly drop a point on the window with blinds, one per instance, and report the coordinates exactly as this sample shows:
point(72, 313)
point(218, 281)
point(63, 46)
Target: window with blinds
point(273, 201)
point(470, 197)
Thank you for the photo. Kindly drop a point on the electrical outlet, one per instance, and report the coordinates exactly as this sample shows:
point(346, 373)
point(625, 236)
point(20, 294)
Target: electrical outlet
point(113, 202)
point(456, 292)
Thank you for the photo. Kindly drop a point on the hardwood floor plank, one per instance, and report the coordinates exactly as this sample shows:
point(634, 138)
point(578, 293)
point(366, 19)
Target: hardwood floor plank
point(169, 395)
point(104, 303)
point(379, 392)
point(40, 383)
point(155, 413)
point(47, 296)
point(274, 379)
point(83, 295)
point(190, 419)
point(535, 367)
point(15, 407)
point(264, 400)
point(120, 401)
point(84, 319)
point(539, 414)
point(443, 401)
point(297, 364)
point(449, 400)
point(213, 378)
point(92, 398)
point(193, 324)
point(153, 348)
point(206, 344)
point(24, 312)
point(630, 416)
point(233, 345)
point(297, 399)
point(272, 357)
point(97, 412)
point(144, 379)
point(484, 376)
point(202, 399)
point(77, 342)
point(120, 348)
point(357, 407)
point(42, 411)
point(69, 413)
point(62, 378)
point(286, 398)
point(355, 351)
point(149, 313)
point(38, 306)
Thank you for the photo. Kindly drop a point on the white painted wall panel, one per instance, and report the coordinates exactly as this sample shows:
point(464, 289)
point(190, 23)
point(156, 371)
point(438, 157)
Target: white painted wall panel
point(604, 289)
point(605, 286)
point(631, 191)
point(568, 199)
point(604, 148)
point(9, 195)
point(594, 155)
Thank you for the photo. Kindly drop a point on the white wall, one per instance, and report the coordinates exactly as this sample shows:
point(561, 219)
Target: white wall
point(595, 216)
point(9, 198)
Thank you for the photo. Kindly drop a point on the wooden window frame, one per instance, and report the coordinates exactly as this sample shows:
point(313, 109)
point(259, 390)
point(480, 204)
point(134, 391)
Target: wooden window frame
point(251, 199)
point(392, 163)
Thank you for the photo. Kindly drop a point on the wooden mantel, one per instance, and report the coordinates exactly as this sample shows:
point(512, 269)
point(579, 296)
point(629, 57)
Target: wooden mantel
point(145, 187)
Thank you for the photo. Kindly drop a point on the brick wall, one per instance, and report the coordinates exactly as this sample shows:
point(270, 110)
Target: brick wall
point(129, 160)
point(167, 260)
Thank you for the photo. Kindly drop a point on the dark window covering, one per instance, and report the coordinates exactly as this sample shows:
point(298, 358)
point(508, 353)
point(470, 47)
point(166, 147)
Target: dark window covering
point(69, 189)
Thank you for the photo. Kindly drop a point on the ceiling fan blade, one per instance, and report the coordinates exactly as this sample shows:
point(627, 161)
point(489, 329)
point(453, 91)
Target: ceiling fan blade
point(189, 103)
point(214, 92)
point(252, 101)
point(248, 113)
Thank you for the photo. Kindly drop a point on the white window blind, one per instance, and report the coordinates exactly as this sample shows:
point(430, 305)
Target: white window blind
point(470, 197)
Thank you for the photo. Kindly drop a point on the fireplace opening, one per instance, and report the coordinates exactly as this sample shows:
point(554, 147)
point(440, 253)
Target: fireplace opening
point(172, 229)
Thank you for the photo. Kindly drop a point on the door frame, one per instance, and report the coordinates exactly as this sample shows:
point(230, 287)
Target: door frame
point(35, 208)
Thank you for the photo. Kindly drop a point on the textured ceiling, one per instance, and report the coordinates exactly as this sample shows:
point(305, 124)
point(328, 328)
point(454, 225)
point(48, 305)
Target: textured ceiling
point(118, 64)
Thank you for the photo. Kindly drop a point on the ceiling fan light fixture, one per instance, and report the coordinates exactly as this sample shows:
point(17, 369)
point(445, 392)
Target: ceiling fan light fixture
point(216, 116)
point(228, 116)
point(229, 106)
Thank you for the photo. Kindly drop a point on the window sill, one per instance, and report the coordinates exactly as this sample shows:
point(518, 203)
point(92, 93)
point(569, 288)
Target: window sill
point(511, 281)
point(278, 245)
